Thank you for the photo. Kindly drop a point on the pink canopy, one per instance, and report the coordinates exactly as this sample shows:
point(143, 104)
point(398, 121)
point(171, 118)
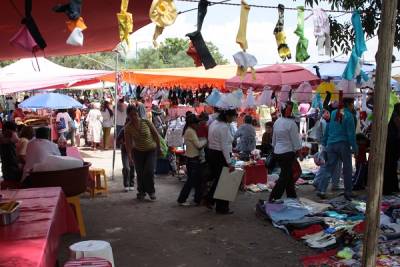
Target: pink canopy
point(30, 74)
point(274, 76)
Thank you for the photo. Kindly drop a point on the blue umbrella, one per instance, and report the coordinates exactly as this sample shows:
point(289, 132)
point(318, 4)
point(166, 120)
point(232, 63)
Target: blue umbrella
point(50, 101)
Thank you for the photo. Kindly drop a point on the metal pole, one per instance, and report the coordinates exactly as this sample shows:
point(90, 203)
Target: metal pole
point(115, 111)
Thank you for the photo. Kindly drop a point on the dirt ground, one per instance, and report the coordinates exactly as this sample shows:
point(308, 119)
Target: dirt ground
point(162, 233)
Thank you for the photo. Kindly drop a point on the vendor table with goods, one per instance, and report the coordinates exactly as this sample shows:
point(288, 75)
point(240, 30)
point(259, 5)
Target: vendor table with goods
point(255, 172)
point(33, 239)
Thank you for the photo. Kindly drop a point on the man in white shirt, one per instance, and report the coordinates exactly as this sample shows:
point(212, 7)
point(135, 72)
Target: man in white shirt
point(39, 149)
point(63, 121)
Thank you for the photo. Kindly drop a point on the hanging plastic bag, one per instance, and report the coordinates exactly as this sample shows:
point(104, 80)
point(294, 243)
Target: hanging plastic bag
point(75, 38)
point(213, 98)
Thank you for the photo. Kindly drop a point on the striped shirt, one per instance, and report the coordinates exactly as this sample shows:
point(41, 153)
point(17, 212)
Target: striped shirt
point(142, 139)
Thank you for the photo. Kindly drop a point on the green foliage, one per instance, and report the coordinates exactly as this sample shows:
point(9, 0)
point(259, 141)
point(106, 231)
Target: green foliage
point(170, 54)
point(4, 63)
point(342, 34)
point(102, 60)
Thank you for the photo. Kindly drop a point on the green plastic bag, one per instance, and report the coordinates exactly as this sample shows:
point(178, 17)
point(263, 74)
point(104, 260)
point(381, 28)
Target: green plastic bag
point(163, 147)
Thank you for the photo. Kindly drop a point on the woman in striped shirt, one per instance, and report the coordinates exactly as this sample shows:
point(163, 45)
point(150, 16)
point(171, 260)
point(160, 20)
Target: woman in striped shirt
point(142, 145)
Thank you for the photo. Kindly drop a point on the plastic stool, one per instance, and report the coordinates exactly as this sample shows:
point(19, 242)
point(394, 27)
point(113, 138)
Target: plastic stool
point(95, 186)
point(90, 261)
point(92, 248)
point(76, 202)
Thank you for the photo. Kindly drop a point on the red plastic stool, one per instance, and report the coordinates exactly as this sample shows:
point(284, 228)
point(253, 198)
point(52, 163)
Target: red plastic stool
point(90, 261)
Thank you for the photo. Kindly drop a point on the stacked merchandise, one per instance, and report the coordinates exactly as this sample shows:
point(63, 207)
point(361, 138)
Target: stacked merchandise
point(336, 229)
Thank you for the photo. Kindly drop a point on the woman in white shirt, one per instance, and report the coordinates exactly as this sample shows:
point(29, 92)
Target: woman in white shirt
point(193, 165)
point(286, 143)
point(219, 155)
point(94, 120)
point(108, 122)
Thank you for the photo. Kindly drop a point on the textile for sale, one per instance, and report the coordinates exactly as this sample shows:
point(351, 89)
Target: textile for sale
point(280, 36)
point(245, 61)
point(303, 94)
point(302, 45)
point(125, 22)
point(284, 95)
point(322, 31)
point(241, 37)
point(265, 98)
point(353, 69)
point(202, 50)
point(162, 13)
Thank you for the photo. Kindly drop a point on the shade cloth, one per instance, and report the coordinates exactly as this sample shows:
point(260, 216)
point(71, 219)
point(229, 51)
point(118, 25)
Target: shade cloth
point(100, 17)
point(30, 73)
point(191, 77)
point(50, 101)
point(274, 76)
point(34, 238)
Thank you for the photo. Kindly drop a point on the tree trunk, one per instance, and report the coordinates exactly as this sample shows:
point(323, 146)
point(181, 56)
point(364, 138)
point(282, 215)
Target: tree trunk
point(379, 129)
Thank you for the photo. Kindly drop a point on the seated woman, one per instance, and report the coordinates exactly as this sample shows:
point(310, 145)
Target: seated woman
point(8, 154)
point(247, 138)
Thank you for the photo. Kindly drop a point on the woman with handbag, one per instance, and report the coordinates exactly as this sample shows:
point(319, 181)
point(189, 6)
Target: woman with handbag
point(286, 142)
point(194, 145)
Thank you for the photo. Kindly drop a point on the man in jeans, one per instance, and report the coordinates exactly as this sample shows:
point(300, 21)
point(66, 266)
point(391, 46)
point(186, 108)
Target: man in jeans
point(340, 142)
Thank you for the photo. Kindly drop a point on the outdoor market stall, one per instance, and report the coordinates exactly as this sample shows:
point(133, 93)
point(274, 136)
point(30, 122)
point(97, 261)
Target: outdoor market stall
point(33, 239)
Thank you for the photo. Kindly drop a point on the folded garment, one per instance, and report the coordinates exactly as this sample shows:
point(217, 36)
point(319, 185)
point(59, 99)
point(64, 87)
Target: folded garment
point(288, 211)
point(299, 233)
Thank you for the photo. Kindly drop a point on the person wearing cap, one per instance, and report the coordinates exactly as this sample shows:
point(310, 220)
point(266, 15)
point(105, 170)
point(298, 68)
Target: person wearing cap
point(340, 142)
point(142, 143)
point(286, 142)
point(220, 140)
point(194, 146)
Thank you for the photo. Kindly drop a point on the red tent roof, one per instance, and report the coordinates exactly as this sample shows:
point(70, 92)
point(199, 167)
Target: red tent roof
point(274, 76)
point(99, 15)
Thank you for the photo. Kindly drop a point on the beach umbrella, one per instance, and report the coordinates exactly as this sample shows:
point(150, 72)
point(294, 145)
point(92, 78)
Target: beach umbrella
point(50, 101)
point(274, 76)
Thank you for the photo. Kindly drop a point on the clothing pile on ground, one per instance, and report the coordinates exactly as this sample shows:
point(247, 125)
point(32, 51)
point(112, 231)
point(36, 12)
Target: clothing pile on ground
point(335, 229)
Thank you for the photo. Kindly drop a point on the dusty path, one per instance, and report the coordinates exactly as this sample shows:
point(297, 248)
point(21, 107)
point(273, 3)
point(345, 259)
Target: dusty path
point(164, 234)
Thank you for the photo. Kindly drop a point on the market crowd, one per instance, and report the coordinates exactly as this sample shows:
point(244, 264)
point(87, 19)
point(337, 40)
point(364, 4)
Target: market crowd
point(212, 142)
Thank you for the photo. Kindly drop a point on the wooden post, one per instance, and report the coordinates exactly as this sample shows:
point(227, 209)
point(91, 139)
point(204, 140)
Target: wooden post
point(379, 129)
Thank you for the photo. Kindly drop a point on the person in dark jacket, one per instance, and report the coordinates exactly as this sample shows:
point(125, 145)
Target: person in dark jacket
point(391, 181)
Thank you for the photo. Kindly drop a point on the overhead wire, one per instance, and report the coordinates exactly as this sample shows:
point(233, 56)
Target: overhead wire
point(256, 6)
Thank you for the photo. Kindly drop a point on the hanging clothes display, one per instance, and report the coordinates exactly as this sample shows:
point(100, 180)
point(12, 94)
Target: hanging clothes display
point(353, 69)
point(322, 31)
point(72, 9)
point(28, 37)
point(201, 13)
point(303, 94)
point(76, 27)
point(192, 52)
point(245, 61)
point(202, 50)
point(250, 101)
point(162, 13)
point(302, 45)
point(265, 98)
point(125, 22)
point(284, 95)
point(280, 36)
point(241, 37)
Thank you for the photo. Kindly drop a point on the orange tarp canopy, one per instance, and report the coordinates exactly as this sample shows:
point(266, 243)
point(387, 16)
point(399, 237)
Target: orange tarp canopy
point(191, 77)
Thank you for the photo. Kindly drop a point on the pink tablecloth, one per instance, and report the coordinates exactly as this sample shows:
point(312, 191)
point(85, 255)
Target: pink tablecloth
point(34, 238)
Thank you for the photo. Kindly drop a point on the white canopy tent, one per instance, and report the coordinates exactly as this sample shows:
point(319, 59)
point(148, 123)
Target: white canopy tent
point(39, 73)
